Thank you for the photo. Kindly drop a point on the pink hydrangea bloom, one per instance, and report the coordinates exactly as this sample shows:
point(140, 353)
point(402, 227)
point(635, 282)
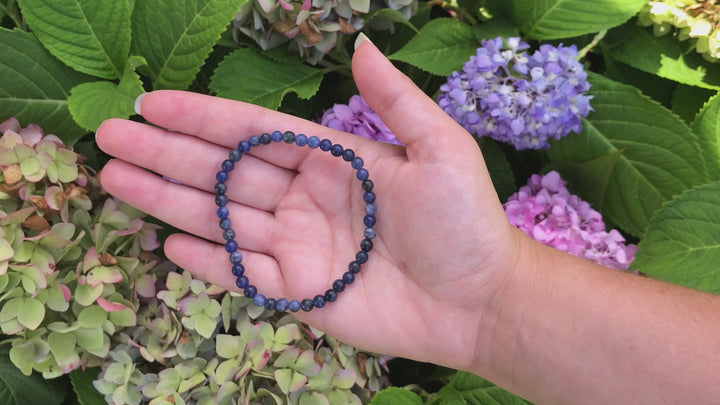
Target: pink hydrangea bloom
point(546, 211)
point(358, 118)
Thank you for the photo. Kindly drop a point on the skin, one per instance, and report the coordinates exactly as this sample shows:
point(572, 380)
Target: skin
point(449, 281)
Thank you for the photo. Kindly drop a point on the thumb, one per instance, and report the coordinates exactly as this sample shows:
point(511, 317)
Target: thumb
point(429, 134)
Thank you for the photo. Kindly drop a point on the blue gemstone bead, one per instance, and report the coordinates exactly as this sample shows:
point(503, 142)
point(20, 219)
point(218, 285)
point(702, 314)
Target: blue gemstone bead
point(223, 212)
point(225, 223)
point(368, 185)
point(301, 139)
point(236, 257)
point(221, 200)
point(370, 233)
point(357, 163)
point(369, 221)
point(348, 278)
point(254, 140)
point(371, 209)
point(250, 291)
point(366, 245)
point(276, 136)
point(259, 300)
point(294, 306)
point(282, 304)
point(338, 285)
point(362, 174)
point(319, 301)
point(331, 295)
point(222, 176)
point(244, 146)
point(313, 142)
point(235, 155)
point(289, 137)
point(369, 197)
point(265, 139)
point(270, 304)
point(306, 305)
point(348, 155)
point(220, 188)
point(228, 234)
point(361, 257)
point(238, 270)
point(325, 145)
point(242, 282)
point(354, 266)
point(228, 165)
point(231, 246)
point(336, 150)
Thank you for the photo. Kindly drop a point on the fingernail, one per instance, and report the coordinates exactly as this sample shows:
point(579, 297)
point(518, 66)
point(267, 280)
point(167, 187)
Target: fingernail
point(360, 39)
point(138, 103)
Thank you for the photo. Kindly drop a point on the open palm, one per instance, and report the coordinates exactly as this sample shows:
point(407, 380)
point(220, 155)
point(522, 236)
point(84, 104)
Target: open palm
point(442, 235)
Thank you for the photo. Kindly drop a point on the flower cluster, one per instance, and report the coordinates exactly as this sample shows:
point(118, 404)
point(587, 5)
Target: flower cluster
point(358, 118)
point(546, 211)
point(80, 287)
point(311, 26)
point(695, 20)
point(517, 98)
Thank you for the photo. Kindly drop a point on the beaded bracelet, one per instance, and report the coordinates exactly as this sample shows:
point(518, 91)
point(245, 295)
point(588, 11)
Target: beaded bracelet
point(238, 270)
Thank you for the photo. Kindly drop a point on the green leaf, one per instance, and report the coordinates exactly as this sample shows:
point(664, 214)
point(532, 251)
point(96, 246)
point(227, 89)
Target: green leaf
point(707, 126)
point(35, 85)
point(553, 19)
point(388, 14)
point(396, 396)
point(93, 103)
point(664, 56)
point(479, 391)
point(688, 100)
point(83, 386)
point(90, 36)
point(442, 46)
point(246, 75)
point(660, 157)
point(176, 36)
point(682, 243)
point(500, 171)
point(19, 389)
point(495, 27)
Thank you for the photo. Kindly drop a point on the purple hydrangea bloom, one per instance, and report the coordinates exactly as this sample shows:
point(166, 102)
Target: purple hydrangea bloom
point(358, 118)
point(517, 98)
point(546, 211)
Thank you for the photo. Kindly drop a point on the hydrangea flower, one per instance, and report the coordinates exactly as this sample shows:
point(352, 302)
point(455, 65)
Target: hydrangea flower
point(546, 211)
point(358, 118)
point(517, 98)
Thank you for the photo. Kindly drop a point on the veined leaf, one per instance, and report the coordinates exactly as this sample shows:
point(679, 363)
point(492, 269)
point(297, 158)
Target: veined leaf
point(442, 46)
point(396, 396)
point(659, 159)
point(390, 15)
point(476, 390)
point(682, 243)
point(495, 27)
point(553, 19)
point(93, 103)
point(90, 36)
point(664, 56)
point(707, 126)
point(246, 75)
point(35, 85)
point(83, 386)
point(176, 36)
point(19, 389)
point(499, 168)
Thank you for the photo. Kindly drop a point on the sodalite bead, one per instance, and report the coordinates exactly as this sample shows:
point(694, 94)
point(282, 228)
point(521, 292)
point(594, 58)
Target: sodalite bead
point(231, 246)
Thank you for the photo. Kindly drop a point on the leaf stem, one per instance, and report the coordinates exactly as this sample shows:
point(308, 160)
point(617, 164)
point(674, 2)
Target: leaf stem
point(596, 39)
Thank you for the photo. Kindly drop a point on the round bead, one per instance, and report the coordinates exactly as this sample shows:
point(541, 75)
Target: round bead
point(254, 140)
point(331, 295)
point(313, 142)
point(348, 155)
point(270, 304)
point(319, 301)
point(223, 212)
point(265, 139)
point(306, 305)
point(236, 257)
point(348, 278)
point(259, 300)
point(225, 223)
point(369, 197)
point(289, 137)
point(282, 304)
point(229, 234)
point(294, 306)
point(366, 245)
point(368, 185)
point(361, 257)
point(242, 282)
point(369, 220)
point(354, 266)
point(370, 233)
point(301, 139)
point(276, 136)
point(228, 165)
point(222, 176)
point(357, 163)
point(244, 146)
point(362, 174)
point(235, 155)
point(325, 145)
point(238, 269)
point(221, 200)
point(371, 209)
point(338, 285)
point(336, 150)
point(220, 188)
point(231, 246)
point(250, 291)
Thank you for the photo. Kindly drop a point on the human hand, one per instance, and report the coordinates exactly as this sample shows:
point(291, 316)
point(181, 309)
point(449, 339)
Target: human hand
point(443, 250)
